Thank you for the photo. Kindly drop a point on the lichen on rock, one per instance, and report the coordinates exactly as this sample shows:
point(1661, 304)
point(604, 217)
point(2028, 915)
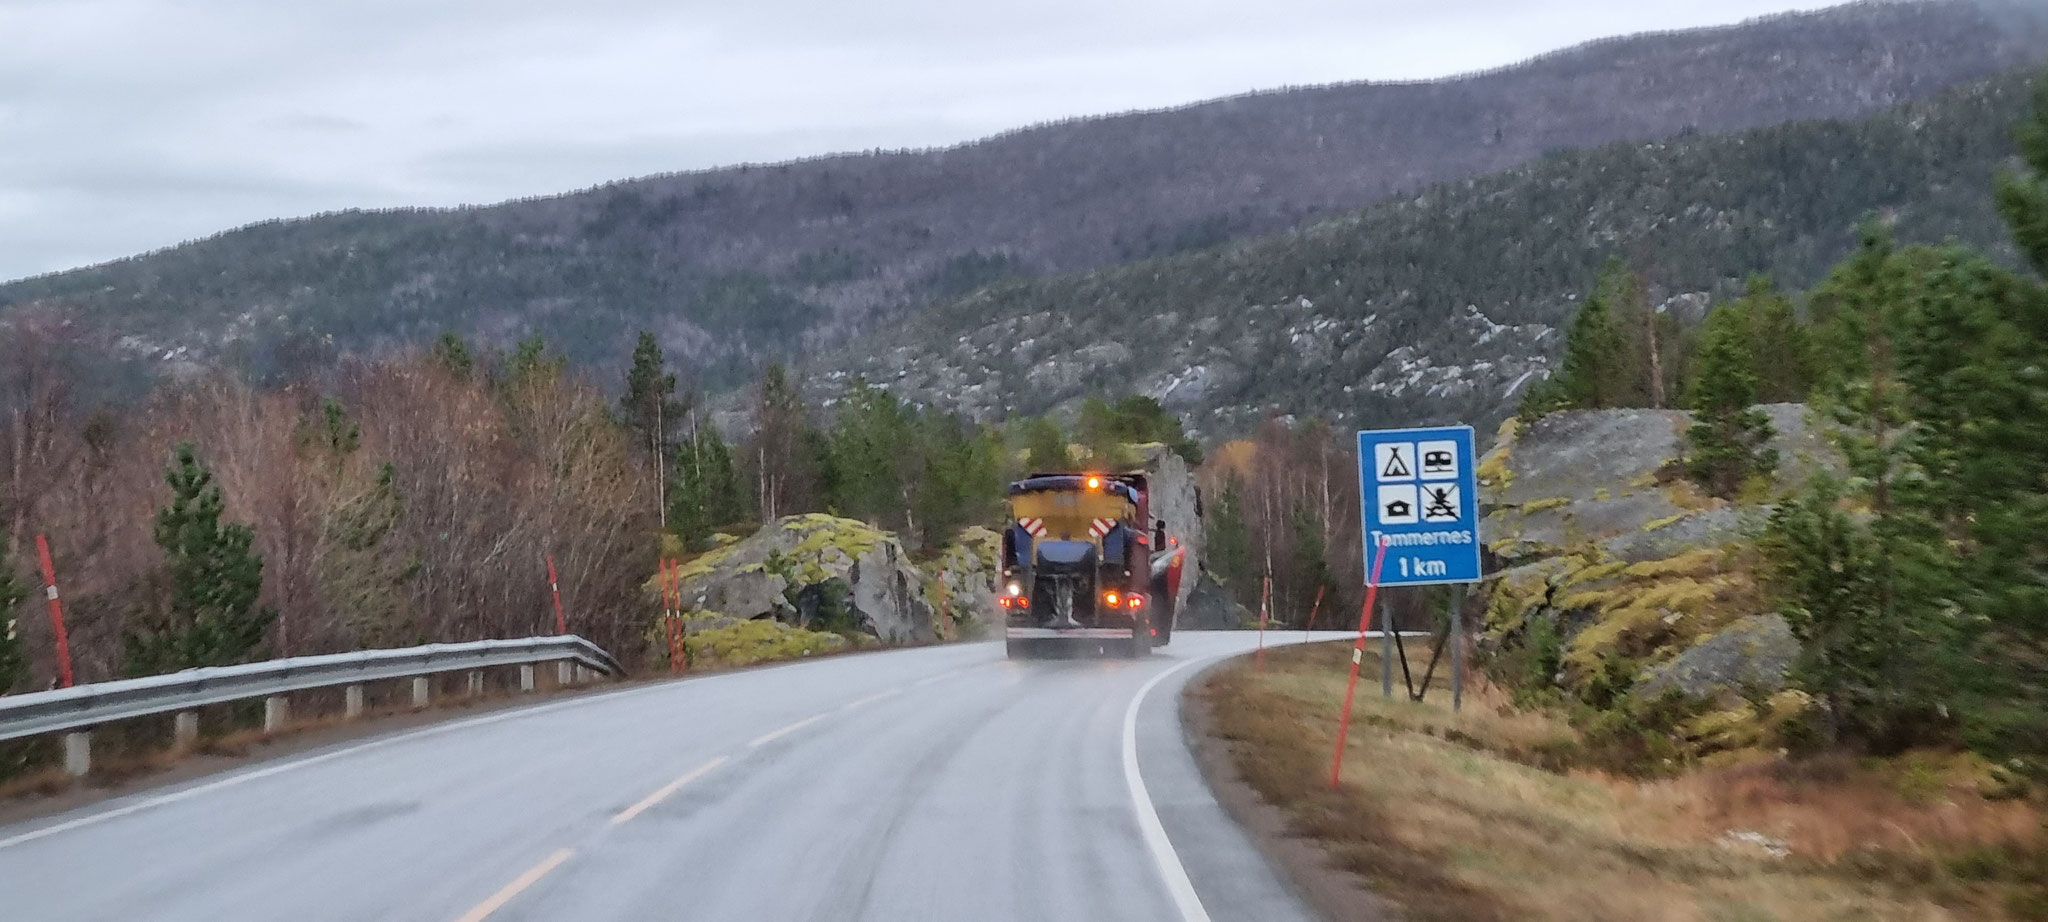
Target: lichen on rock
point(1641, 585)
point(815, 570)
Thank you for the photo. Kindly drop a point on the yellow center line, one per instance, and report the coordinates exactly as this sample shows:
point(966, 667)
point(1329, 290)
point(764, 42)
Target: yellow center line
point(518, 885)
point(666, 790)
point(767, 738)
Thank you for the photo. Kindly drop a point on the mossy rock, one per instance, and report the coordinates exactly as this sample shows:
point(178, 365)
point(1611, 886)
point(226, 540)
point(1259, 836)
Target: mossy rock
point(1754, 654)
point(747, 643)
point(800, 567)
point(961, 582)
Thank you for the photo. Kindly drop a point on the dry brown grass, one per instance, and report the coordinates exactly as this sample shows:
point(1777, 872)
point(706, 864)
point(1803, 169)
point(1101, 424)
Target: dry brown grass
point(1478, 816)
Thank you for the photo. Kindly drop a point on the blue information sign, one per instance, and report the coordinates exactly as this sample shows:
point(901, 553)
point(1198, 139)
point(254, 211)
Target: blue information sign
point(1419, 489)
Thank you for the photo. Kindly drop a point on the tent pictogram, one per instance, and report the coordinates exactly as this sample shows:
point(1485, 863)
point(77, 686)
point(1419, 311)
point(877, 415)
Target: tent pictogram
point(1396, 467)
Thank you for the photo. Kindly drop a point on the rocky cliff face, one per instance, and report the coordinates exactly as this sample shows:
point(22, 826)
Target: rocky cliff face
point(1637, 581)
point(1175, 499)
point(816, 571)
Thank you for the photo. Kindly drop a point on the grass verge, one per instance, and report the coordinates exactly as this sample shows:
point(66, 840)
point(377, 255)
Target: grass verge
point(1490, 815)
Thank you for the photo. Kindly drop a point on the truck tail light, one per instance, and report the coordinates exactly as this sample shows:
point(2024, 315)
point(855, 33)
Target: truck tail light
point(1112, 600)
point(1135, 601)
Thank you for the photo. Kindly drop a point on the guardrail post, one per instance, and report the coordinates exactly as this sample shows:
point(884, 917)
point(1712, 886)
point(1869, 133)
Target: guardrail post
point(277, 711)
point(352, 702)
point(420, 692)
point(78, 753)
point(476, 683)
point(185, 730)
point(526, 678)
point(565, 673)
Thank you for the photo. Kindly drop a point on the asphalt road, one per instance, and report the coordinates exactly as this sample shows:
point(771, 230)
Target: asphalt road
point(945, 783)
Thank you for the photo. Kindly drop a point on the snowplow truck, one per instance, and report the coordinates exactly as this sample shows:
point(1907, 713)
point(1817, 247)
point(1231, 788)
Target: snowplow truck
point(1085, 567)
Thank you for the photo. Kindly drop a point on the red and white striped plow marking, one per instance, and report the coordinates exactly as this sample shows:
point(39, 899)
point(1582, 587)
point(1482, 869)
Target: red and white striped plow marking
point(1101, 527)
point(1036, 527)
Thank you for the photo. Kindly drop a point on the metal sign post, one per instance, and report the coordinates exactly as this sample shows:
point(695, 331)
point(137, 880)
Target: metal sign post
point(1419, 499)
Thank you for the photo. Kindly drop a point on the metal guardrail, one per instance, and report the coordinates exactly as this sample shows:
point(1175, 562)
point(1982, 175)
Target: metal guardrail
point(83, 706)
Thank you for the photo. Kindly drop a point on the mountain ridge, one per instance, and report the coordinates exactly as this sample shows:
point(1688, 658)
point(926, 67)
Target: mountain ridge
point(734, 266)
point(1438, 307)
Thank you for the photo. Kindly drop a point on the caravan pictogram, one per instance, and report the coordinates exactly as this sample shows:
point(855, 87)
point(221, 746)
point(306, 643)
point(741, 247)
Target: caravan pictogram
point(1439, 460)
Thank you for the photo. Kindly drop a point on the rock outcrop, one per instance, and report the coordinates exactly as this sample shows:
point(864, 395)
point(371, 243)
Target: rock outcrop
point(961, 583)
point(1175, 500)
point(815, 570)
point(1645, 584)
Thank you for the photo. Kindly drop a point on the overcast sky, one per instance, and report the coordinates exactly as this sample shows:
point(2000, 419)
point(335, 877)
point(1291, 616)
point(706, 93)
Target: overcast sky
point(127, 125)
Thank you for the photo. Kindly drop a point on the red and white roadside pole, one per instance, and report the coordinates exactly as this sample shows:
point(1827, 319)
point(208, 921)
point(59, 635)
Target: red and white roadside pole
point(672, 615)
point(555, 586)
point(1372, 591)
point(56, 612)
point(1311, 625)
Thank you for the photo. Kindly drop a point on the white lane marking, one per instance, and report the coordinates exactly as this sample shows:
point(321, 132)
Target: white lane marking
point(518, 885)
point(667, 789)
point(1174, 875)
point(773, 735)
point(857, 702)
point(927, 680)
point(282, 767)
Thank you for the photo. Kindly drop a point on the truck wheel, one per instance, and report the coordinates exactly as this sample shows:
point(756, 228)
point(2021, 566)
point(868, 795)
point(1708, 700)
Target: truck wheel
point(1162, 611)
point(1141, 635)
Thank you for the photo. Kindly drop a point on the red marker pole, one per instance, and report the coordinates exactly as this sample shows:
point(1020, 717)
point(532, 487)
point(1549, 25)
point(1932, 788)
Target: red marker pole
point(1311, 625)
point(555, 586)
point(56, 612)
point(1372, 591)
point(671, 584)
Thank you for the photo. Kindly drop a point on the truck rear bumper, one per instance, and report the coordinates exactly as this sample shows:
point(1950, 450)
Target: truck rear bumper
point(1036, 633)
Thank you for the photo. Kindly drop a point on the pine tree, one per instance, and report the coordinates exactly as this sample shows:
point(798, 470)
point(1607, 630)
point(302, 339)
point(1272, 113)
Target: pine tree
point(649, 411)
point(211, 617)
point(706, 491)
point(1726, 443)
point(1228, 542)
point(1778, 344)
point(1593, 373)
point(1311, 559)
point(451, 353)
point(1045, 446)
point(13, 653)
point(785, 475)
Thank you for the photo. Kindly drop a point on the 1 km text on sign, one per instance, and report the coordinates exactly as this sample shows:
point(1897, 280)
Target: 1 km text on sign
point(1419, 491)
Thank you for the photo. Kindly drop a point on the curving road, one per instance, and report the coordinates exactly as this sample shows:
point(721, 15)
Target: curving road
point(943, 783)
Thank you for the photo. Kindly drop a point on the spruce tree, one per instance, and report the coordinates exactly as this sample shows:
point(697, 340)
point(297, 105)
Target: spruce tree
point(211, 617)
point(1726, 443)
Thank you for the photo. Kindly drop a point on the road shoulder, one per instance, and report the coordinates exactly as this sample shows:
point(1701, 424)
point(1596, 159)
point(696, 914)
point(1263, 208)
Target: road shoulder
point(1331, 892)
